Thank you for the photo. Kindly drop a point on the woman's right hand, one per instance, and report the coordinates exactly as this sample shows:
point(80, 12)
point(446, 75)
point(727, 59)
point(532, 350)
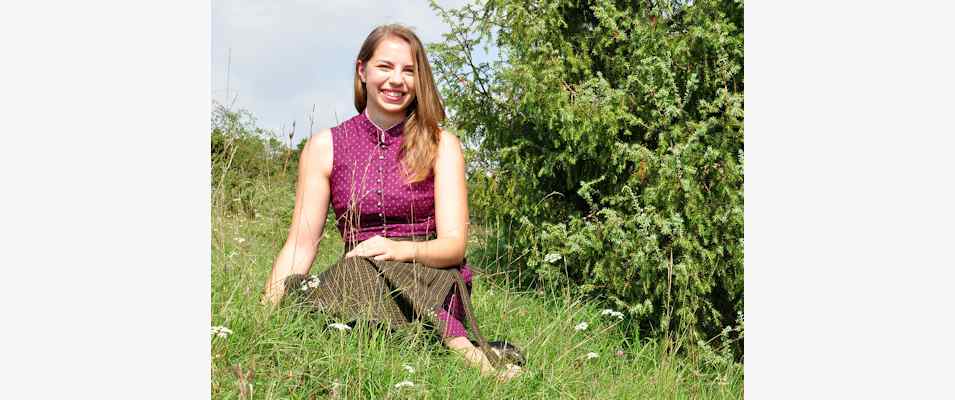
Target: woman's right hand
point(273, 295)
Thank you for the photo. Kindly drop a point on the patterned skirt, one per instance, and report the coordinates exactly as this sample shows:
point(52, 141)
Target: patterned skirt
point(390, 292)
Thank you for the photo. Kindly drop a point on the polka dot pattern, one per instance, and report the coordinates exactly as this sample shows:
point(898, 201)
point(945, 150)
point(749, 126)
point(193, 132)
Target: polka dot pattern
point(368, 193)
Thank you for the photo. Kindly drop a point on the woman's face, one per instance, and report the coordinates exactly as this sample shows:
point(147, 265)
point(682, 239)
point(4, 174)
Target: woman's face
point(389, 76)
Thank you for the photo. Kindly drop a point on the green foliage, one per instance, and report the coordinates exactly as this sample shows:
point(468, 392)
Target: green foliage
point(251, 168)
point(611, 138)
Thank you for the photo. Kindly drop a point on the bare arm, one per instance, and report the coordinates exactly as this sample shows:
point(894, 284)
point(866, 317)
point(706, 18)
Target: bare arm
point(450, 208)
point(451, 216)
point(312, 196)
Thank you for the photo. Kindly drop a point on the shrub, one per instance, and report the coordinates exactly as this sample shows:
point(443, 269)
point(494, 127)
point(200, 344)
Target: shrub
point(250, 166)
point(609, 134)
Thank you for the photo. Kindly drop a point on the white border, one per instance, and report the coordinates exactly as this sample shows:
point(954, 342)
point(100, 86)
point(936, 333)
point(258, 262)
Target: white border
point(849, 199)
point(105, 207)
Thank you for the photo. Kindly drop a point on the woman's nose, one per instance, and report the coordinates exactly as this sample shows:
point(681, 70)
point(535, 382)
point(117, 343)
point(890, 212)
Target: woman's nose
point(395, 77)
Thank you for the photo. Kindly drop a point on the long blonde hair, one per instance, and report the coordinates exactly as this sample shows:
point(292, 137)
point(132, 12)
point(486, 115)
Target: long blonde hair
point(424, 114)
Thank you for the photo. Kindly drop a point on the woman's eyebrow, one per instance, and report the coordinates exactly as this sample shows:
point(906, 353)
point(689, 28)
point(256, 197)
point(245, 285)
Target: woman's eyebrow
point(383, 61)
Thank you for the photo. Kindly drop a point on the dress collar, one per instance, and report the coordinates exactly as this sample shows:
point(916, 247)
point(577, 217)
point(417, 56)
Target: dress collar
point(391, 134)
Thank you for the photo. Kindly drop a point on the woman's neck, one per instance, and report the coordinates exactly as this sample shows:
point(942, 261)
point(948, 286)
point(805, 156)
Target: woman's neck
point(383, 120)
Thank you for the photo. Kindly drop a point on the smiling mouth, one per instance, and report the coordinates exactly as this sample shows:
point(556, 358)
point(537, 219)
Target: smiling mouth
point(393, 96)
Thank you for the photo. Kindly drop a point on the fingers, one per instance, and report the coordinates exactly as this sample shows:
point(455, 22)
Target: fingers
point(375, 246)
point(364, 252)
point(358, 250)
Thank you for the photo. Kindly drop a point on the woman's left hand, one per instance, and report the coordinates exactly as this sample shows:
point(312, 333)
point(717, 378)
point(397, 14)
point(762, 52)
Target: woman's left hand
point(381, 248)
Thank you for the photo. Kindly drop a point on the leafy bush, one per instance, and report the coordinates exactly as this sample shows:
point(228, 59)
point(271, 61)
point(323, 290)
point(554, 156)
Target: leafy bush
point(610, 134)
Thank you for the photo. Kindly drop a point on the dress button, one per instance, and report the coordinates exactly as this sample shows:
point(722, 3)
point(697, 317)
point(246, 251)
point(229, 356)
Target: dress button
point(379, 204)
point(381, 215)
point(381, 157)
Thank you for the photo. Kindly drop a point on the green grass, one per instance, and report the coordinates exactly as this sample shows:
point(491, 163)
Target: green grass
point(288, 353)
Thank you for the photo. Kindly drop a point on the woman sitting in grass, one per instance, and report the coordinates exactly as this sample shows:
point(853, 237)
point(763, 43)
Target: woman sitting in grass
point(396, 182)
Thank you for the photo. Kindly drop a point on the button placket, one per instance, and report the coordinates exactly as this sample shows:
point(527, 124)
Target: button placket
point(381, 175)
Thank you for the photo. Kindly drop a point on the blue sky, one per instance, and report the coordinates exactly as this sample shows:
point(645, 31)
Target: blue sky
point(288, 56)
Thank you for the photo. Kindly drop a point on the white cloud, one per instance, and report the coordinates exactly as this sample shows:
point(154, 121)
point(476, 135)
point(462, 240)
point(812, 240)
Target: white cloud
point(288, 56)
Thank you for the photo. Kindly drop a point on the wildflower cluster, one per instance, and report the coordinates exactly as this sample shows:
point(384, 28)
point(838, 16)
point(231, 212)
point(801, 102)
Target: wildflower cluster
point(221, 331)
point(310, 283)
point(340, 326)
point(552, 257)
point(612, 313)
point(584, 325)
point(404, 383)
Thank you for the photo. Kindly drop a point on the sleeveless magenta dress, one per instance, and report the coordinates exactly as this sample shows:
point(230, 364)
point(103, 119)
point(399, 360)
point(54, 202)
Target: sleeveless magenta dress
point(370, 197)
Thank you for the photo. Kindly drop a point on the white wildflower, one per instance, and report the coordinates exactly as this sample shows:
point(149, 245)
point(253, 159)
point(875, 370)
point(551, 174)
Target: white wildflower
point(340, 326)
point(240, 240)
point(581, 326)
point(221, 331)
point(336, 389)
point(408, 368)
point(552, 258)
point(312, 281)
point(592, 355)
point(402, 384)
point(612, 313)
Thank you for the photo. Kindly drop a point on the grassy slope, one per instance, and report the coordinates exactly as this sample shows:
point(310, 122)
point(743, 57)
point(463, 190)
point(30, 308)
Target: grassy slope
point(291, 354)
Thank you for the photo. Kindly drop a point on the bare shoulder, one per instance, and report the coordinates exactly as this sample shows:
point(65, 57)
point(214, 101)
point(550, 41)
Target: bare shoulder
point(449, 160)
point(318, 151)
point(321, 139)
point(449, 146)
